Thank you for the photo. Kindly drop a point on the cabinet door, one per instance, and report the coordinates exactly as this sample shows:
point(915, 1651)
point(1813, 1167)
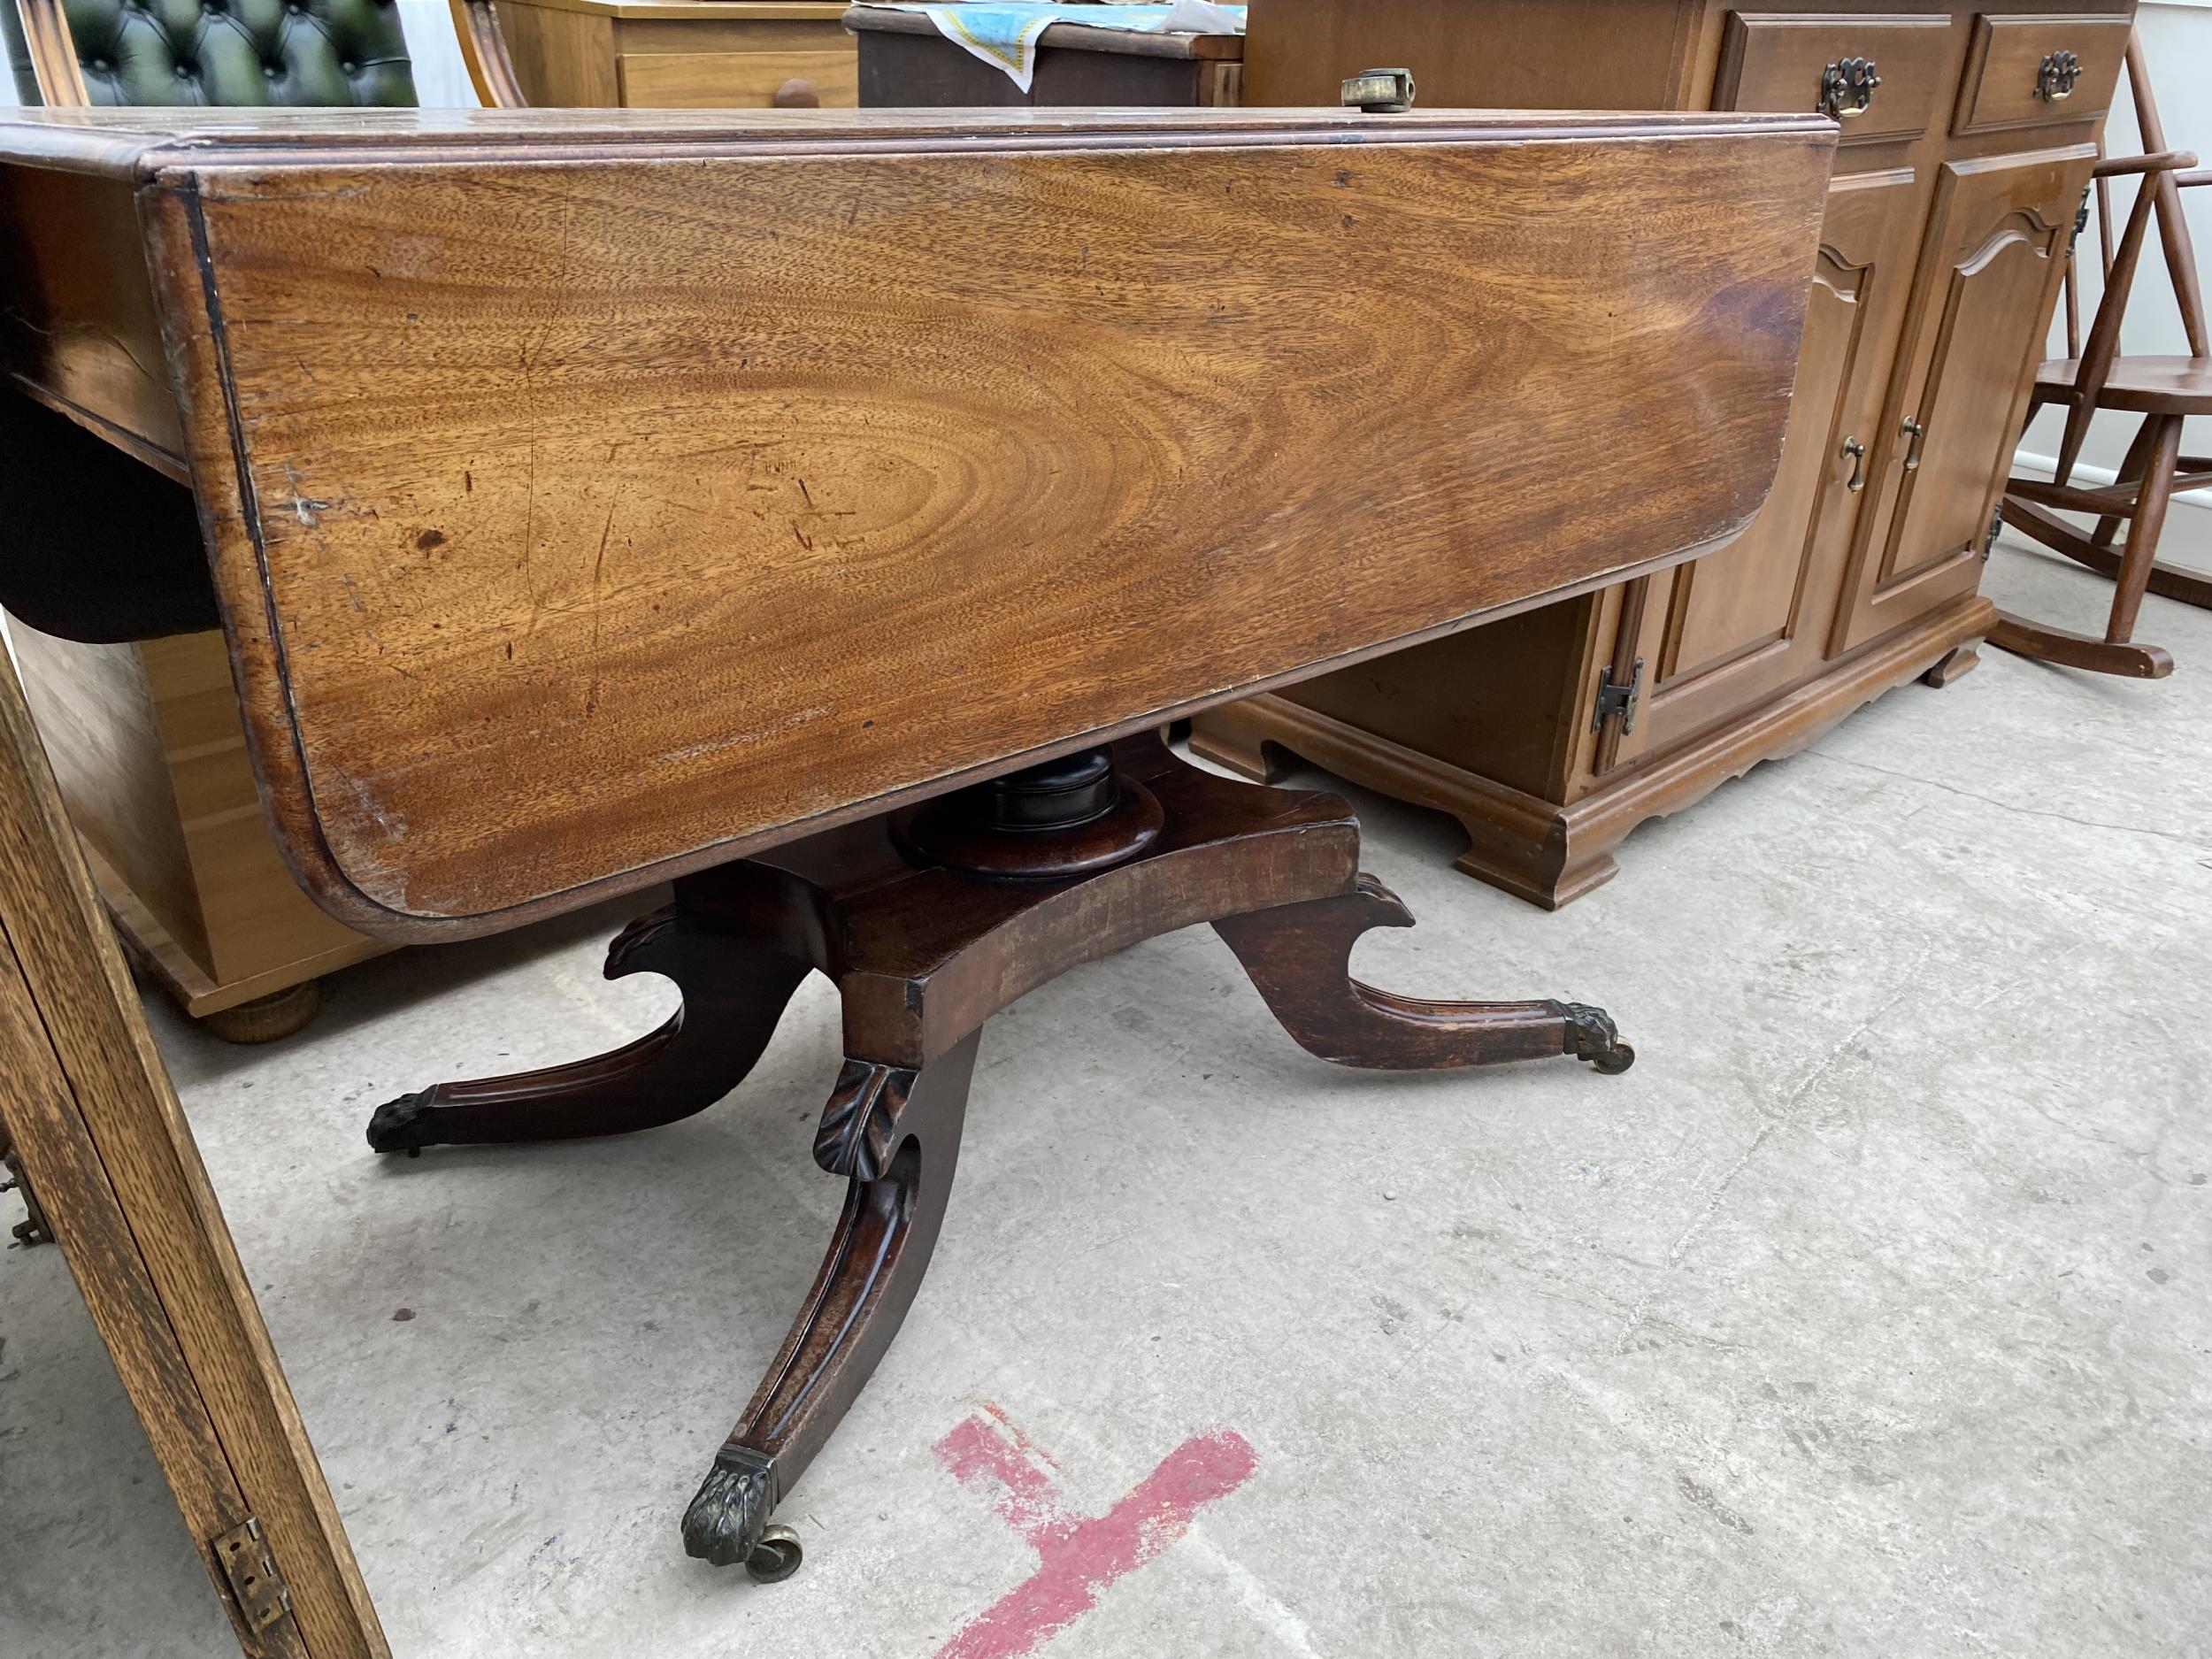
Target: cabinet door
point(1741, 625)
point(1988, 278)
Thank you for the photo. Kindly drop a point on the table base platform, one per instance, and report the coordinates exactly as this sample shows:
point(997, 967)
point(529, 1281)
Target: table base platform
point(1131, 842)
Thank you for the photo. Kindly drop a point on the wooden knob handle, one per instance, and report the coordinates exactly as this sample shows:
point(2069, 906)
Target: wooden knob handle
point(798, 93)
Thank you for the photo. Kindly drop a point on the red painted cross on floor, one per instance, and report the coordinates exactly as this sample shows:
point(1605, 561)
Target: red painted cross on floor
point(1081, 1555)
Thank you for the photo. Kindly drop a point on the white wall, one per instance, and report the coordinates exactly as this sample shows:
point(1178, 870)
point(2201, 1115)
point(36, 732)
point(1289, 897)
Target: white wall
point(2176, 37)
point(442, 80)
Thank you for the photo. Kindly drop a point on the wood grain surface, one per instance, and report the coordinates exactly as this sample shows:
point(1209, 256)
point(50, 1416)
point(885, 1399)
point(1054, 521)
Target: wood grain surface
point(593, 507)
point(92, 1113)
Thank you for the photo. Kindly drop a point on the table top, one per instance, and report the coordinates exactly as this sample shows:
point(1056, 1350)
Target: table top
point(139, 140)
point(593, 496)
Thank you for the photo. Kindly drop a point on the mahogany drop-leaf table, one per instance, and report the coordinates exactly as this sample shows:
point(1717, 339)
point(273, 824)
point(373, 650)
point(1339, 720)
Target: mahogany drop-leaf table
point(825, 510)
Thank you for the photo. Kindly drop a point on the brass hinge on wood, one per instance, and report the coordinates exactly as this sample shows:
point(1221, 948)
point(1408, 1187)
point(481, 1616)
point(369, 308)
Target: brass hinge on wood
point(1619, 700)
point(251, 1573)
point(34, 1228)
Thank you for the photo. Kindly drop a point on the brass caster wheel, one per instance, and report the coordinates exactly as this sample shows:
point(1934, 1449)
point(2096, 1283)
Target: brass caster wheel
point(1594, 1037)
point(776, 1557)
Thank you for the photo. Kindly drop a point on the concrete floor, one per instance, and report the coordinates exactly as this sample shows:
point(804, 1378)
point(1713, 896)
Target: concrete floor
point(1867, 1316)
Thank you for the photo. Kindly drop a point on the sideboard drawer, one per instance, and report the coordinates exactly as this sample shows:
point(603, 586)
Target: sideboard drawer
point(1776, 60)
point(736, 81)
point(2024, 70)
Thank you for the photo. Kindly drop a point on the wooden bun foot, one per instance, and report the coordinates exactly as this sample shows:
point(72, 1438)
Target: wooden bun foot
point(267, 1019)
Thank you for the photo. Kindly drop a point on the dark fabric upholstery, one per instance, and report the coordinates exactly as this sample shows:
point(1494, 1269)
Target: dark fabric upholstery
point(94, 545)
point(241, 52)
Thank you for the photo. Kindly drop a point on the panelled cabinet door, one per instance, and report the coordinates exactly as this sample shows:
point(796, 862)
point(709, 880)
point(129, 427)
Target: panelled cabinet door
point(1742, 624)
point(1996, 253)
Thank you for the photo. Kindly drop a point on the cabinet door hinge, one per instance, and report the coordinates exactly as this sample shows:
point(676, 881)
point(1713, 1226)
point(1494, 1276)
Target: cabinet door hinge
point(1996, 525)
point(1619, 700)
point(251, 1573)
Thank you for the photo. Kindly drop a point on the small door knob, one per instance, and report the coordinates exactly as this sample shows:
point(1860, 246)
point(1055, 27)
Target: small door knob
point(1856, 450)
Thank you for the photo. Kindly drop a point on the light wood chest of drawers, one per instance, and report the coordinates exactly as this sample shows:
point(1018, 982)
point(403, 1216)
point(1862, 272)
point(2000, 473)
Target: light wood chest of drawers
point(674, 54)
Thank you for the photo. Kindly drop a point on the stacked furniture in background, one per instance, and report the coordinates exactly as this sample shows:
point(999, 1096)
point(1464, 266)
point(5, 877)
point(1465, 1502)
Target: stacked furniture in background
point(905, 63)
point(2163, 390)
point(658, 54)
point(1968, 133)
point(112, 615)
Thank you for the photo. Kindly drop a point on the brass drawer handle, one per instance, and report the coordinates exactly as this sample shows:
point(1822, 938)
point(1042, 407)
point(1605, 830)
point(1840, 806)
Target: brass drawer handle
point(1918, 434)
point(2056, 78)
point(1846, 87)
point(1856, 450)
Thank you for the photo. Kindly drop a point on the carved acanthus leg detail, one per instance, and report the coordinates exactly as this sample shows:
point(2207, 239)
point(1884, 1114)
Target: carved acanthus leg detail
point(734, 991)
point(1297, 955)
point(895, 1133)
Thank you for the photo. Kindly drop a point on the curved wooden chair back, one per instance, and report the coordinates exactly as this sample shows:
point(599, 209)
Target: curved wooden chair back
point(2173, 223)
point(484, 49)
point(50, 56)
point(2165, 174)
point(2162, 390)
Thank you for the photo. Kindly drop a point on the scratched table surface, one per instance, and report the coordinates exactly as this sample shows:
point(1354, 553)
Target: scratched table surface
point(592, 497)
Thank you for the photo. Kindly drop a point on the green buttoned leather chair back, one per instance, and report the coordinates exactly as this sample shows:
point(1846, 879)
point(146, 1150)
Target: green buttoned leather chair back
point(241, 52)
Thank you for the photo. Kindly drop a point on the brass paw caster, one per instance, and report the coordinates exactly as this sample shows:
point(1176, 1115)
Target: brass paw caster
point(728, 1523)
point(776, 1557)
point(1615, 1060)
point(1594, 1037)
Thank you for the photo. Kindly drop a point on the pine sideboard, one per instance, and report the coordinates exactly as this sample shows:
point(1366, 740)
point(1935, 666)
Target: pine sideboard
point(1967, 134)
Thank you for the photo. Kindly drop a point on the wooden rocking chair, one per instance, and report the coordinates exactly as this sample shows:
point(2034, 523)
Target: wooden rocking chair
point(2162, 389)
